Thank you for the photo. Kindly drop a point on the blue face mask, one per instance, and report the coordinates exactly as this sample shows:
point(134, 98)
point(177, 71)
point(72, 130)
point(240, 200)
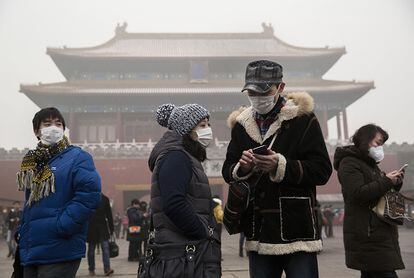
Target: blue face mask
point(376, 153)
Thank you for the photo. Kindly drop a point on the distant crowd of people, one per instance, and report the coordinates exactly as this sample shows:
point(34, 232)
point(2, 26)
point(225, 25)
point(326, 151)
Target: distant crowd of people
point(275, 159)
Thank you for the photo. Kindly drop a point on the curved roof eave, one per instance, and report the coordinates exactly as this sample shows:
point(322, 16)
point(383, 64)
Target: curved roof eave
point(87, 52)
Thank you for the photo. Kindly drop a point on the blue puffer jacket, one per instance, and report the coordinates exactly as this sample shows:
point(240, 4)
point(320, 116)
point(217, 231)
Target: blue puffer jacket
point(54, 229)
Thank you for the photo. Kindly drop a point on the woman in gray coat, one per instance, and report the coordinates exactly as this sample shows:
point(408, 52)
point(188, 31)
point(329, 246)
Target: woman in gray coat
point(371, 245)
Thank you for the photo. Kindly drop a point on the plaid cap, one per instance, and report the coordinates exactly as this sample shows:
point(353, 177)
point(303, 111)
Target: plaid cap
point(261, 75)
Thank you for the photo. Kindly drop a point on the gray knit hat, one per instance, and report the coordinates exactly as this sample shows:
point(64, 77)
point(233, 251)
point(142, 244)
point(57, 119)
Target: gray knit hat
point(181, 119)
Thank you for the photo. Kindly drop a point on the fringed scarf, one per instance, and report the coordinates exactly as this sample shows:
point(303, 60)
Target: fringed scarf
point(35, 174)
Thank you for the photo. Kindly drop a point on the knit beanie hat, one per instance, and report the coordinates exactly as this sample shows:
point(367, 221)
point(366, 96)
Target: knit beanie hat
point(181, 119)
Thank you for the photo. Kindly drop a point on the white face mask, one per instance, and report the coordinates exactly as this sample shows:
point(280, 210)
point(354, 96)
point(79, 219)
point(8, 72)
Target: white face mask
point(376, 153)
point(204, 136)
point(262, 104)
point(51, 135)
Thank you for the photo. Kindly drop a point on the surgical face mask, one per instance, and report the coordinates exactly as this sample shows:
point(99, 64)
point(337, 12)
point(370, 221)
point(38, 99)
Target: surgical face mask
point(376, 153)
point(51, 135)
point(204, 136)
point(262, 104)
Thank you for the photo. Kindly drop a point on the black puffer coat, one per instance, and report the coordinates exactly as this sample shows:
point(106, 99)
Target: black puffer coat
point(198, 193)
point(370, 244)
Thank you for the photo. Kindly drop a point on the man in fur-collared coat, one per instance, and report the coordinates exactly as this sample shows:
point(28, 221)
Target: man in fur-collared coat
point(280, 224)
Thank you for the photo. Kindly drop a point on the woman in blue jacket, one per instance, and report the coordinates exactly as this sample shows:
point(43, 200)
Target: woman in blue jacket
point(62, 189)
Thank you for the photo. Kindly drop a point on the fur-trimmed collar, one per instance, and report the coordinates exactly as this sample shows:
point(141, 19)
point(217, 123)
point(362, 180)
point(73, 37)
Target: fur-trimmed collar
point(297, 104)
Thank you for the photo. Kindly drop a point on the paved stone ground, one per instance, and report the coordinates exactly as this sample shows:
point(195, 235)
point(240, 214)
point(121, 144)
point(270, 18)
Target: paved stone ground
point(331, 260)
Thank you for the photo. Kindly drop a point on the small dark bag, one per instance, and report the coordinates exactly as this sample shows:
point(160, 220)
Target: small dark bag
point(201, 258)
point(113, 247)
point(194, 259)
point(237, 203)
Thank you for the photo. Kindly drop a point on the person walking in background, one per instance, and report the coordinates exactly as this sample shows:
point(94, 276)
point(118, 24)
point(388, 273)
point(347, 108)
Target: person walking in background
point(117, 224)
point(101, 227)
point(12, 222)
point(371, 245)
point(124, 222)
point(135, 219)
point(62, 190)
point(329, 216)
point(145, 224)
point(319, 218)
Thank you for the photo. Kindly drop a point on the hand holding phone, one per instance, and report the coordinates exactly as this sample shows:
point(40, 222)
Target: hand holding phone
point(261, 150)
point(403, 167)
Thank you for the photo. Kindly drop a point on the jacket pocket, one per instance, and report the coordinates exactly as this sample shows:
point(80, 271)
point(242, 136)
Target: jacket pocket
point(297, 220)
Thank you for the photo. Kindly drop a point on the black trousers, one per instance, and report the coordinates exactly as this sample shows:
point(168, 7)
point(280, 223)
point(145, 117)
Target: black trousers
point(134, 251)
point(295, 265)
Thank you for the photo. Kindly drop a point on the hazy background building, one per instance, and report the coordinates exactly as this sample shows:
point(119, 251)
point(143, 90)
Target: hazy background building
point(190, 51)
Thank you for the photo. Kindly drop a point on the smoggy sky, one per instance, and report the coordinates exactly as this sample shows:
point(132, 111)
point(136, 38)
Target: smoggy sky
point(378, 36)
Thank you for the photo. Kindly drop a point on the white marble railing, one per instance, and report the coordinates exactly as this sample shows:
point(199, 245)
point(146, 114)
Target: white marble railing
point(117, 149)
point(217, 149)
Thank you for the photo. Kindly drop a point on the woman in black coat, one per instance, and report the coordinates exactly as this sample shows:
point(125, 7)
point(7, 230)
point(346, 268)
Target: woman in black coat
point(101, 226)
point(371, 245)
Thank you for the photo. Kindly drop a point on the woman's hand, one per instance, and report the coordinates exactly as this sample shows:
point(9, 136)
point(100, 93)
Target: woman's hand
point(396, 177)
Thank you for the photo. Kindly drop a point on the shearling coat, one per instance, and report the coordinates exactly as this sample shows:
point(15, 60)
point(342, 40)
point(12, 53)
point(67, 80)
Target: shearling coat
point(281, 219)
point(370, 244)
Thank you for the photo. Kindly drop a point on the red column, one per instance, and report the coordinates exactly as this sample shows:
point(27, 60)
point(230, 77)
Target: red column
point(338, 125)
point(345, 122)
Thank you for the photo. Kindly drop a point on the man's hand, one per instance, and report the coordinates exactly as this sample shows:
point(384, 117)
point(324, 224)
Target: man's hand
point(267, 163)
point(246, 162)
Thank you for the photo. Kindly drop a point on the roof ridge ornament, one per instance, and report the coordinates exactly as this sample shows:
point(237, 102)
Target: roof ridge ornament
point(268, 29)
point(121, 30)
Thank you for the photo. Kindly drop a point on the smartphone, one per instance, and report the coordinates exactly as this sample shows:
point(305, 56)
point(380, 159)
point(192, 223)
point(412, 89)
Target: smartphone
point(262, 150)
point(403, 167)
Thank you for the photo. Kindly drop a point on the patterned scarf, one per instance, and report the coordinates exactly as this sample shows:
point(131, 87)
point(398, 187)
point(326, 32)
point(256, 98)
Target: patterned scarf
point(35, 174)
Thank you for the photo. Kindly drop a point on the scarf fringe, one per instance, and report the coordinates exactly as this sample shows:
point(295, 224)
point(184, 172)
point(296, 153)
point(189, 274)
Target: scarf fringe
point(24, 180)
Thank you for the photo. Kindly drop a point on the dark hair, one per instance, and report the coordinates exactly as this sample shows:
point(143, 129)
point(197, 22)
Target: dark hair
point(16, 203)
point(194, 148)
point(47, 113)
point(365, 134)
point(135, 202)
point(143, 205)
